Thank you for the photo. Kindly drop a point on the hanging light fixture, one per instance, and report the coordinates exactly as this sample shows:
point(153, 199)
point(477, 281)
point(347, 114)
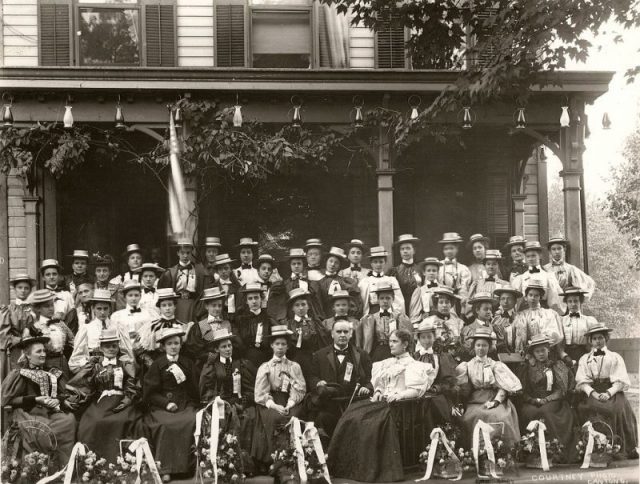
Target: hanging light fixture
point(521, 121)
point(565, 119)
point(177, 117)
point(7, 114)
point(119, 116)
point(414, 103)
point(237, 114)
point(467, 118)
point(606, 121)
point(296, 117)
point(67, 119)
point(358, 117)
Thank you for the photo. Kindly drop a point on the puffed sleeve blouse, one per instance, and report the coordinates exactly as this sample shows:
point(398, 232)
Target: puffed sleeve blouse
point(482, 373)
point(593, 368)
point(402, 375)
point(270, 379)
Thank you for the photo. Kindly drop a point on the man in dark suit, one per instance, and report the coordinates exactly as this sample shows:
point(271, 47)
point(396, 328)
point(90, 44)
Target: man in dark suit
point(336, 371)
point(188, 281)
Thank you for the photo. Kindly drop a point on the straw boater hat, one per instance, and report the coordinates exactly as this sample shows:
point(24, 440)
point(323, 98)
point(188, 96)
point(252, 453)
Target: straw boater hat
point(109, 336)
point(80, 254)
point(149, 266)
point(31, 335)
point(279, 331)
point(339, 253)
point(212, 294)
point(252, 287)
point(101, 295)
point(478, 238)
point(507, 290)
point(537, 340)
point(41, 296)
point(22, 278)
point(492, 254)
point(212, 242)
point(165, 293)
point(406, 239)
point(533, 245)
point(445, 291)
point(430, 261)
point(383, 286)
point(355, 243)
point(296, 254)
point(247, 242)
point(297, 293)
point(133, 248)
point(50, 263)
point(480, 297)
point(483, 332)
point(378, 251)
point(451, 238)
point(183, 242)
point(266, 258)
point(425, 326)
point(222, 259)
point(557, 240)
point(129, 285)
point(313, 243)
point(223, 334)
point(166, 333)
point(535, 284)
point(572, 290)
point(515, 240)
point(597, 328)
point(341, 294)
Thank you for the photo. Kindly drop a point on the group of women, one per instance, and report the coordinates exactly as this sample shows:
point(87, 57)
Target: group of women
point(337, 345)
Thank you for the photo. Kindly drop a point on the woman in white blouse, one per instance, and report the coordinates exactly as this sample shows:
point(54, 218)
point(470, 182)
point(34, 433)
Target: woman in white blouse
point(365, 444)
point(488, 384)
point(279, 391)
point(602, 376)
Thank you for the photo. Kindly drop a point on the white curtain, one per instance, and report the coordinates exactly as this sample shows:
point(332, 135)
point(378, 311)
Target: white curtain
point(334, 37)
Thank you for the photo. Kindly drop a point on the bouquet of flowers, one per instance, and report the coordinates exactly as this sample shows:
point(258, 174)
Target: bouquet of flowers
point(604, 447)
point(228, 459)
point(444, 464)
point(34, 466)
point(92, 469)
point(529, 448)
point(504, 457)
point(285, 462)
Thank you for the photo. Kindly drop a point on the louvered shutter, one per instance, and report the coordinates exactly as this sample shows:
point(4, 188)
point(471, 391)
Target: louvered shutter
point(484, 57)
point(324, 58)
point(390, 44)
point(497, 208)
point(230, 42)
point(160, 34)
point(54, 33)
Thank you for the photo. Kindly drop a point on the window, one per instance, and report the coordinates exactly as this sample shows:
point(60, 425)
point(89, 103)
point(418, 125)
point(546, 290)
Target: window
point(281, 38)
point(109, 36)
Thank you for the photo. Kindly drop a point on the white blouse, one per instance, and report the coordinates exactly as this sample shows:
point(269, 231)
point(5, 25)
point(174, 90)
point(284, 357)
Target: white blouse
point(611, 366)
point(88, 339)
point(487, 373)
point(575, 328)
point(402, 375)
point(531, 322)
point(279, 374)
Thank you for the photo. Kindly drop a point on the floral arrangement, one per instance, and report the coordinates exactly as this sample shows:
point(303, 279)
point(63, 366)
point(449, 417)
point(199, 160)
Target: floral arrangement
point(34, 466)
point(228, 459)
point(604, 448)
point(444, 466)
point(447, 342)
point(285, 462)
point(505, 456)
point(528, 449)
point(92, 469)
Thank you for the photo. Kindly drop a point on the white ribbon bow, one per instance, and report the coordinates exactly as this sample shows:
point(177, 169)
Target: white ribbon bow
point(593, 435)
point(541, 441)
point(437, 436)
point(296, 437)
point(217, 413)
point(79, 449)
point(486, 430)
point(142, 450)
point(311, 434)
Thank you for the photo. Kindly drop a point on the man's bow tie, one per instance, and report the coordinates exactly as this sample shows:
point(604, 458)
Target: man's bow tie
point(574, 315)
point(533, 270)
point(598, 353)
point(490, 279)
point(188, 267)
point(375, 274)
point(343, 352)
point(385, 313)
point(149, 289)
point(247, 266)
point(135, 310)
point(212, 320)
point(356, 268)
point(109, 361)
point(432, 284)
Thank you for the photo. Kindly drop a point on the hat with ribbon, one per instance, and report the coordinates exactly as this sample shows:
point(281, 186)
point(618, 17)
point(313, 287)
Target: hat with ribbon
point(481, 297)
point(557, 240)
point(573, 291)
point(149, 266)
point(296, 254)
point(80, 254)
point(355, 243)
point(425, 326)
point(183, 242)
point(537, 340)
point(383, 286)
point(22, 278)
point(223, 334)
point(41, 296)
point(101, 260)
point(133, 248)
point(378, 251)
point(130, 284)
point(535, 283)
point(222, 259)
point(109, 336)
point(212, 242)
point(497, 292)
point(445, 291)
point(212, 294)
point(430, 261)
point(478, 238)
point(597, 328)
point(297, 293)
point(483, 332)
point(252, 287)
point(47, 263)
point(102, 295)
point(406, 239)
point(265, 258)
point(279, 331)
point(451, 238)
point(247, 242)
point(533, 245)
point(31, 335)
point(165, 293)
point(492, 254)
point(341, 294)
point(166, 333)
point(313, 243)
point(515, 240)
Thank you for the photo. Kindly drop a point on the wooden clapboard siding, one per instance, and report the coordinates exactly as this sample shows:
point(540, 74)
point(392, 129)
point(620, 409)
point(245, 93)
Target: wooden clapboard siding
point(194, 20)
point(531, 231)
point(362, 50)
point(19, 32)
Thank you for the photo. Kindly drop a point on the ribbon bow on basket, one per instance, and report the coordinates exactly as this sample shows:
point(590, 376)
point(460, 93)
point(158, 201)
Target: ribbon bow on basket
point(484, 429)
point(593, 455)
point(307, 445)
point(542, 444)
point(438, 436)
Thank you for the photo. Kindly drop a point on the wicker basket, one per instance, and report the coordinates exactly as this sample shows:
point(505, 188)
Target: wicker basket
point(535, 462)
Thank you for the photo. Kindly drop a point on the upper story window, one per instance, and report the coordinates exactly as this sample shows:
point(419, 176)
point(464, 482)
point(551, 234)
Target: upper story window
point(281, 38)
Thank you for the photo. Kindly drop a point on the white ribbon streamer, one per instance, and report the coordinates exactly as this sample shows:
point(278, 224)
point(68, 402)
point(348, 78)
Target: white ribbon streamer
point(542, 444)
point(213, 433)
point(311, 434)
point(142, 450)
point(437, 436)
point(486, 430)
point(79, 449)
point(593, 435)
point(549, 375)
point(296, 437)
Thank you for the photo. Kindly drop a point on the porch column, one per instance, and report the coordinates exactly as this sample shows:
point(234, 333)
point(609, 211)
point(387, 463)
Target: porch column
point(31, 233)
point(385, 208)
point(518, 211)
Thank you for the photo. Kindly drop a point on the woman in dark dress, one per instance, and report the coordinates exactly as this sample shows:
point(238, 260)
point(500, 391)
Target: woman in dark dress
point(108, 384)
point(602, 376)
point(37, 393)
point(171, 392)
point(545, 385)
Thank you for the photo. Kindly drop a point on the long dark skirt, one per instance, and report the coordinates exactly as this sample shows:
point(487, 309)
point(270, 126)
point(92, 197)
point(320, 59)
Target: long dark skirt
point(617, 413)
point(184, 309)
point(171, 438)
point(503, 418)
point(559, 420)
point(365, 445)
point(266, 438)
point(101, 429)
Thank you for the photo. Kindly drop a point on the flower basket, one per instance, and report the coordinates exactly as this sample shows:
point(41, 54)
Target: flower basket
point(535, 462)
point(605, 445)
point(485, 466)
point(448, 470)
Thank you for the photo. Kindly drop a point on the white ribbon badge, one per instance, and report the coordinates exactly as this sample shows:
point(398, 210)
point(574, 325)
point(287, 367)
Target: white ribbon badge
point(541, 441)
point(437, 436)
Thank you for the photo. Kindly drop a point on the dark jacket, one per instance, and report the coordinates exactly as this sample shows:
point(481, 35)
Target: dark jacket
point(161, 388)
point(324, 366)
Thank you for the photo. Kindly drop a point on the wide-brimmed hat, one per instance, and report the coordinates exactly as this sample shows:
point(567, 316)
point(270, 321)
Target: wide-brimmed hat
point(80, 254)
point(597, 328)
point(430, 261)
point(266, 258)
point(109, 336)
point(129, 285)
point(492, 254)
point(425, 326)
point(572, 290)
point(478, 238)
point(223, 334)
point(557, 240)
point(149, 266)
point(337, 252)
point(31, 335)
point(165, 333)
point(355, 243)
point(515, 240)
point(101, 295)
point(480, 297)
point(279, 331)
point(50, 263)
point(41, 296)
point(483, 332)
point(533, 245)
point(183, 242)
point(313, 243)
point(131, 248)
point(102, 260)
point(507, 290)
point(297, 253)
point(445, 291)
point(383, 286)
point(537, 340)
point(212, 293)
point(536, 284)
point(378, 251)
point(252, 287)
point(451, 238)
point(222, 259)
point(247, 242)
point(212, 242)
point(165, 293)
point(297, 293)
point(22, 278)
point(341, 294)
point(406, 239)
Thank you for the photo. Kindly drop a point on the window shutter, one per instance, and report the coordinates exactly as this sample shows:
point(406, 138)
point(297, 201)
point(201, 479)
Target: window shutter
point(54, 33)
point(230, 36)
point(484, 58)
point(324, 58)
point(160, 34)
point(497, 212)
point(390, 44)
